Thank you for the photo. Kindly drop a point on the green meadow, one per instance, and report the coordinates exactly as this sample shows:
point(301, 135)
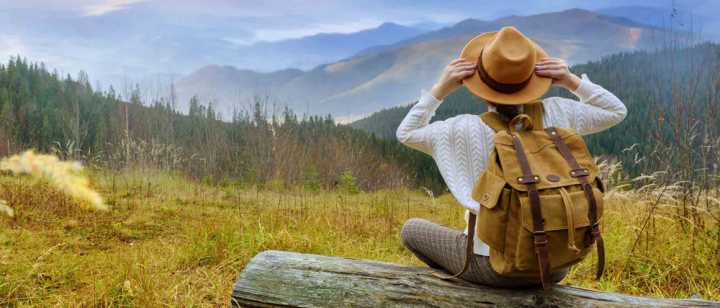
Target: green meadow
point(169, 240)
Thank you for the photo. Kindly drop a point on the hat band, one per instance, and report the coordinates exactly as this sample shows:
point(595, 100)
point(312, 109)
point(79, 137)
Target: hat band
point(507, 88)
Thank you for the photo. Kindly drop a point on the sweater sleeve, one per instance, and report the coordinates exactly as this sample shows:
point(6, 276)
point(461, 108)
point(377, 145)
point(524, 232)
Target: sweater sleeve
point(414, 130)
point(597, 110)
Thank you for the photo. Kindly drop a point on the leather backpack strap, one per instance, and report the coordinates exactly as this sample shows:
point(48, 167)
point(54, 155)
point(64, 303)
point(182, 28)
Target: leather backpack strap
point(581, 174)
point(540, 238)
point(469, 250)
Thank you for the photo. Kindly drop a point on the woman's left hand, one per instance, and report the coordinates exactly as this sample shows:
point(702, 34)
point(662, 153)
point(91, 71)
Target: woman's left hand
point(558, 70)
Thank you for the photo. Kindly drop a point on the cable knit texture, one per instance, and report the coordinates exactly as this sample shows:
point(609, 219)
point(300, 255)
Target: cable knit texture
point(460, 145)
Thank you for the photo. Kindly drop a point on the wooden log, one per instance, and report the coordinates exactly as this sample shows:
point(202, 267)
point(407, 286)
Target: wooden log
point(288, 279)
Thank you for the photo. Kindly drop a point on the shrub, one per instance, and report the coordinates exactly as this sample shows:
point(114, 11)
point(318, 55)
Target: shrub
point(347, 182)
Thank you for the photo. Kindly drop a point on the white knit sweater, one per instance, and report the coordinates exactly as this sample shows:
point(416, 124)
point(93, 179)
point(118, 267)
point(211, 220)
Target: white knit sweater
point(461, 145)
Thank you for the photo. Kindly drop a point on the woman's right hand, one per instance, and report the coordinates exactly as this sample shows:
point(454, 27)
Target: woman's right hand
point(452, 77)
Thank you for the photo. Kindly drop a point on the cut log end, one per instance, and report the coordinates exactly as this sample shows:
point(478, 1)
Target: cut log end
point(288, 279)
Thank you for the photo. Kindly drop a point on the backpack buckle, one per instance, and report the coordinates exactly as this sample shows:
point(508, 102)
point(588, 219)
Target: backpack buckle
point(528, 179)
point(540, 238)
point(576, 173)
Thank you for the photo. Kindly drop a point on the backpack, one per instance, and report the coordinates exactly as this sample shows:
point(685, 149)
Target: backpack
point(540, 199)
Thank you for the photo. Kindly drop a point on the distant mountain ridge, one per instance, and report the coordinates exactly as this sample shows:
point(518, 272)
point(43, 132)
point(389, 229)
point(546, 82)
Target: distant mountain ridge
point(393, 74)
point(139, 43)
point(310, 51)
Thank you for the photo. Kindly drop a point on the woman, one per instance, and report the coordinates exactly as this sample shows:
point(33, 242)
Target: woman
point(505, 68)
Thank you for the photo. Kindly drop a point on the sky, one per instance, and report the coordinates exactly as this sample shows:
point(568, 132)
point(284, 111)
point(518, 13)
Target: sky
point(119, 40)
point(271, 20)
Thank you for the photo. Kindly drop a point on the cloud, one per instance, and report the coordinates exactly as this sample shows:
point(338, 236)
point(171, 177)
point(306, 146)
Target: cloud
point(109, 6)
point(289, 33)
point(11, 46)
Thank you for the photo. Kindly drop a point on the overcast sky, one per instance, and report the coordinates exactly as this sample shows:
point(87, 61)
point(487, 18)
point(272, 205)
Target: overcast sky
point(281, 19)
point(120, 40)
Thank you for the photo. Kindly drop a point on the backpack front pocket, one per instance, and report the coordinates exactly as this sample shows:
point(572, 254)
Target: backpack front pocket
point(494, 199)
point(566, 224)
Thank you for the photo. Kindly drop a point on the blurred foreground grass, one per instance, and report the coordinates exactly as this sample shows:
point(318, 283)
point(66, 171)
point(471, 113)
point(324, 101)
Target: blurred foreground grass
point(171, 241)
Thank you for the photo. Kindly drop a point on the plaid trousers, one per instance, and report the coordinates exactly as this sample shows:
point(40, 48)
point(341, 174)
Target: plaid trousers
point(443, 248)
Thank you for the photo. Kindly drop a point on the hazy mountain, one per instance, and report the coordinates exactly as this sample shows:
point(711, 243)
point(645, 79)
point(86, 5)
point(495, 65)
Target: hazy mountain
point(310, 51)
point(223, 84)
point(138, 43)
point(653, 16)
point(702, 23)
point(391, 75)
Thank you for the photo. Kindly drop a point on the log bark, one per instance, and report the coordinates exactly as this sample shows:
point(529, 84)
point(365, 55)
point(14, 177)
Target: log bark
point(287, 279)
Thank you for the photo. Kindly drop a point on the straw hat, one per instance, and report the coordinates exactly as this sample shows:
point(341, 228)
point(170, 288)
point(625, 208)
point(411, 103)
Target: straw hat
point(506, 67)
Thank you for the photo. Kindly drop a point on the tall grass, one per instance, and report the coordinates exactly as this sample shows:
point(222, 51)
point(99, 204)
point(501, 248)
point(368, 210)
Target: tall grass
point(173, 241)
point(66, 176)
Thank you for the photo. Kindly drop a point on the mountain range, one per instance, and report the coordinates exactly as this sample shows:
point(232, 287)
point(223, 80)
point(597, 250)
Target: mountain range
point(309, 51)
point(389, 75)
point(142, 45)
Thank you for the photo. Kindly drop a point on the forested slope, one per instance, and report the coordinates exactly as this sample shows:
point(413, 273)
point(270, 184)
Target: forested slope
point(671, 96)
point(41, 110)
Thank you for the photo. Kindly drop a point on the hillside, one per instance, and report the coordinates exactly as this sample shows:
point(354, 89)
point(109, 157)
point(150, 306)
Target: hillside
point(39, 110)
point(384, 123)
point(636, 78)
point(233, 79)
point(392, 75)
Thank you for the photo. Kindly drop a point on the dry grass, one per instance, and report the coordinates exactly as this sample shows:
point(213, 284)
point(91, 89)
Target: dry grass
point(170, 241)
point(65, 176)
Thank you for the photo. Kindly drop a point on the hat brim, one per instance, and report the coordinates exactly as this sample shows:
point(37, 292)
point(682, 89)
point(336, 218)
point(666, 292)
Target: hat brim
point(536, 87)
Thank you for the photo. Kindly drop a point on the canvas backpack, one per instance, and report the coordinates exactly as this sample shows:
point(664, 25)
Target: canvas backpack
point(540, 199)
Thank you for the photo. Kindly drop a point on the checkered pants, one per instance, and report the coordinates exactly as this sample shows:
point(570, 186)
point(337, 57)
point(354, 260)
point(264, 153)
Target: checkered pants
point(444, 248)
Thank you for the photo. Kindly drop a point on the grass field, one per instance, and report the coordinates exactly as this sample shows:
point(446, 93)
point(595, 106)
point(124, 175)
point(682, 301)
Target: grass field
point(171, 241)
